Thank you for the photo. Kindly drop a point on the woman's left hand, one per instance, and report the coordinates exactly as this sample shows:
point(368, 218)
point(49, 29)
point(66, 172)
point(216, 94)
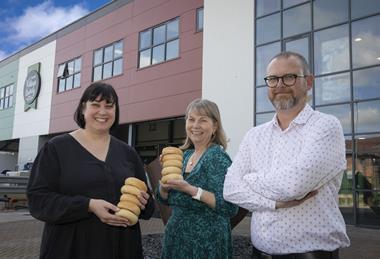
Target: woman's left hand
point(182, 186)
point(143, 198)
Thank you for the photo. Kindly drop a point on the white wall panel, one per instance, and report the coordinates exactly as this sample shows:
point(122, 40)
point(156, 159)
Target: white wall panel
point(228, 64)
point(35, 122)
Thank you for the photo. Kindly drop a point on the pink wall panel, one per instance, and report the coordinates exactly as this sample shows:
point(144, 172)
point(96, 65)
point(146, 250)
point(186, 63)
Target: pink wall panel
point(158, 91)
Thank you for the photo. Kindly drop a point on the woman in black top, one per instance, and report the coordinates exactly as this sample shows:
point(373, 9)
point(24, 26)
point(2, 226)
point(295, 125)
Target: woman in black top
point(75, 183)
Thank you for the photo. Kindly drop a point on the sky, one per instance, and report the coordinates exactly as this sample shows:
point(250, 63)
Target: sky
point(23, 22)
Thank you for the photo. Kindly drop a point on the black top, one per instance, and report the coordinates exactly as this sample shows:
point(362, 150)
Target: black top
point(64, 177)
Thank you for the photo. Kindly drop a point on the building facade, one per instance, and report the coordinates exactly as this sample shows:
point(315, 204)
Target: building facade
point(160, 55)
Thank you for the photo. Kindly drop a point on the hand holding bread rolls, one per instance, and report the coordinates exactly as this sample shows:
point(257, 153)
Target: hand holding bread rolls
point(172, 158)
point(129, 204)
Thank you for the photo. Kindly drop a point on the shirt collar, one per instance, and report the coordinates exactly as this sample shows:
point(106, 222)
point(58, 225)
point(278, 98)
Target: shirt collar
point(301, 118)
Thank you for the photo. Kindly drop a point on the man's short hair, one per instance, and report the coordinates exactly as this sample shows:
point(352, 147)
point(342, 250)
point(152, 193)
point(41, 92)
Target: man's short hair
point(288, 54)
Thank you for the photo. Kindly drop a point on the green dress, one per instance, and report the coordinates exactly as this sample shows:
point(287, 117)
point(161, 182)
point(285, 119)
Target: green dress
point(195, 230)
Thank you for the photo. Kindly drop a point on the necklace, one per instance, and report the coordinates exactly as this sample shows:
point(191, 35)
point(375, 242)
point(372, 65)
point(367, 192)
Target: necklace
point(194, 159)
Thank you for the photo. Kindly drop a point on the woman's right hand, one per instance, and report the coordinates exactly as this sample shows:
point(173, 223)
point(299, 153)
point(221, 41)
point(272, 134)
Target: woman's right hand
point(164, 190)
point(102, 208)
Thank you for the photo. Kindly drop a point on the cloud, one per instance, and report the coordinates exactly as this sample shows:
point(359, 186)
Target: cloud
point(366, 51)
point(3, 55)
point(43, 19)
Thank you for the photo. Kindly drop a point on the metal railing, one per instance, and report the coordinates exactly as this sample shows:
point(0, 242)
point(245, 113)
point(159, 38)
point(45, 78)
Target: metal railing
point(13, 184)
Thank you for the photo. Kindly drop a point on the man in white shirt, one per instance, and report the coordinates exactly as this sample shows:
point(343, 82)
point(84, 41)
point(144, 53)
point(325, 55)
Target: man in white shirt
point(288, 171)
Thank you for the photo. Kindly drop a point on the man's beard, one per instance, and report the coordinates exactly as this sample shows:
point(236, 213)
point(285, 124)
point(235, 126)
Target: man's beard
point(285, 102)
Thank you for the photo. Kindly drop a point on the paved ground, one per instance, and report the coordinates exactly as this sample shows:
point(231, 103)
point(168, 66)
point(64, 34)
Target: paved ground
point(20, 237)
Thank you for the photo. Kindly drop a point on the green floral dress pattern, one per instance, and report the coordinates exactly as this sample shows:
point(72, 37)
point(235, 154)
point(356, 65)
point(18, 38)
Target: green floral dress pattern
point(195, 230)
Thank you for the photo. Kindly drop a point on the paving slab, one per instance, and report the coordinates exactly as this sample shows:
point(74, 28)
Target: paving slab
point(21, 236)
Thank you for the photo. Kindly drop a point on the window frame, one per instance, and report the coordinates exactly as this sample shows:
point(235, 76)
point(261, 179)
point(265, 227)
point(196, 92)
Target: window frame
point(63, 73)
point(5, 97)
point(197, 22)
point(111, 62)
point(152, 45)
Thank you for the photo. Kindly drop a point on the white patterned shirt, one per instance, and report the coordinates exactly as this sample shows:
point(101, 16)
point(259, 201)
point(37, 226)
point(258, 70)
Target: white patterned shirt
point(282, 165)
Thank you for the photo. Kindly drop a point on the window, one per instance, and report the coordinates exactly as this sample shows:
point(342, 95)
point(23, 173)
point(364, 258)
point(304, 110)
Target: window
point(6, 97)
point(159, 44)
point(69, 75)
point(108, 61)
point(200, 19)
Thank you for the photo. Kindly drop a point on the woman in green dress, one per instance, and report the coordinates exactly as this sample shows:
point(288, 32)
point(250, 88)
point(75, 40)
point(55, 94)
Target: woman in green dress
point(199, 226)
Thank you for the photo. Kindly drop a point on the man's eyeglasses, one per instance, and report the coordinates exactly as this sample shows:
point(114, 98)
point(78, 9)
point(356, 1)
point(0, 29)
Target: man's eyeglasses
point(287, 80)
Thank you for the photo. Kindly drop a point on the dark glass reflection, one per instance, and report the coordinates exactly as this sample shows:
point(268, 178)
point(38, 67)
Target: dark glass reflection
point(172, 29)
point(331, 50)
point(360, 8)
point(172, 50)
point(145, 58)
point(297, 20)
point(145, 39)
point(268, 28)
point(300, 46)
point(343, 114)
point(368, 208)
point(107, 70)
point(118, 67)
point(332, 89)
point(61, 86)
point(70, 67)
point(328, 13)
point(118, 50)
point(368, 164)
point(262, 101)
point(366, 42)
point(78, 64)
point(367, 83)
point(346, 203)
point(288, 3)
point(158, 54)
point(264, 117)
point(366, 116)
point(69, 82)
point(76, 80)
point(97, 73)
point(98, 56)
point(200, 19)
point(108, 54)
point(159, 35)
point(267, 6)
point(263, 55)
point(367, 176)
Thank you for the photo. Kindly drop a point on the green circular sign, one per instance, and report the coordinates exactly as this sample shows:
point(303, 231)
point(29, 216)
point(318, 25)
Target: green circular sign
point(32, 86)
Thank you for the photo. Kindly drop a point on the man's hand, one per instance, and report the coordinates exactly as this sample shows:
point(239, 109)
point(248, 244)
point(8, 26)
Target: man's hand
point(293, 203)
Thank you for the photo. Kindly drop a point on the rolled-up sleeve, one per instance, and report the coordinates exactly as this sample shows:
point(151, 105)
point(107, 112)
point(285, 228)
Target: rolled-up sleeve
point(236, 189)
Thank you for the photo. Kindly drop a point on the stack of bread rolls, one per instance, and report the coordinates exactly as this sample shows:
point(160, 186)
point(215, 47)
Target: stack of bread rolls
point(171, 159)
point(129, 202)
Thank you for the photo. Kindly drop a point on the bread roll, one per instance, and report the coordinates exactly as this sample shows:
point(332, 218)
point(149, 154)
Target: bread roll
point(171, 170)
point(132, 218)
point(172, 157)
point(129, 206)
point(167, 177)
point(137, 183)
point(130, 197)
point(131, 190)
point(172, 150)
point(175, 163)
